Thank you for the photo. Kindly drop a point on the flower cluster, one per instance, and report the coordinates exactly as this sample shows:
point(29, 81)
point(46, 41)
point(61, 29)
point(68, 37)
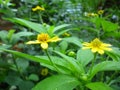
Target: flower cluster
point(91, 14)
point(100, 12)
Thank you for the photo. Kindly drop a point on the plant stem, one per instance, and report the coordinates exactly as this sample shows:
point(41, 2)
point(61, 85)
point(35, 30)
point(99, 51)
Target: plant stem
point(80, 87)
point(113, 75)
point(40, 17)
point(51, 61)
point(102, 74)
point(93, 62)
point(98, 34)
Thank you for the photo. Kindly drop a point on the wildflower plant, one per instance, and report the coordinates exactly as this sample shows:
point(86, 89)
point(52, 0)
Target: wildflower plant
point(78, 69)
point(71, 61)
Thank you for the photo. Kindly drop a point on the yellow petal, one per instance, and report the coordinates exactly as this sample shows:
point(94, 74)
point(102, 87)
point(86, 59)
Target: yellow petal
point(85, 47)
point(94, 50)
point(44, 45)
point(107, 45)
point(86, 43)
point(101, 52)
point(54, 39)
point(108, 49)
point(33, 42)
point(34, 9)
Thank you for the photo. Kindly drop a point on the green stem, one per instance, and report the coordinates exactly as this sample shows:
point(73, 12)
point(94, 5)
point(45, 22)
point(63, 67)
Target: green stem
point(51, 61)
point(98, 34)
point(80, 87)
point(102, 74)
point(40, 17)
point(113, 75)
point(93, 62)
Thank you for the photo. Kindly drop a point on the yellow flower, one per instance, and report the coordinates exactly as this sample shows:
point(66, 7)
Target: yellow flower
point(43, 39)
point(38, 8)
point(97, 46)
point(100, 12)
point(66, 34)
point(44, 71)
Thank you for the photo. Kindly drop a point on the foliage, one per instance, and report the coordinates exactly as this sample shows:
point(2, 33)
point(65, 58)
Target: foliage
point(64, 65)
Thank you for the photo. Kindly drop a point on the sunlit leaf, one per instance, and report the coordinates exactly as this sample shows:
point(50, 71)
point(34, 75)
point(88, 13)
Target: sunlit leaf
point(105, 66)
point(58, 82)
point(98, 86)
point(84, 56)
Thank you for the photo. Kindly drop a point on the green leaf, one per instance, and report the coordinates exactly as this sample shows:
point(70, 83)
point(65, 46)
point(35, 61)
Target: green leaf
point(58, 82)
point(26, 85)
point(73, 40)
point(33, 77)
point(10, 34)
point(60, 27)
point(63, 31)
point(61, 64)
point(84, 56)
point(114, 54)
point(74, 65)
point(63, 46)
point(108, 26)
point(3, 36)
point(13, 79)
point(35, 26)
point(105, 66)
point(27, 56)
point(22, 64)
point(98, 86)
point(18, 36)
point(96, 21)
point(46, 62)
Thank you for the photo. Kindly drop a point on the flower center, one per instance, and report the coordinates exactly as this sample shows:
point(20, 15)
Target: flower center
point(96, 43)
point(43, 37)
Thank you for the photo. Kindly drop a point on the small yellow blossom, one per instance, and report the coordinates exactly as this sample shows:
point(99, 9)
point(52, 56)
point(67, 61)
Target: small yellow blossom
point(100, 12)
point(38, 8)
point(66, 34)
point(43, 39)
point(97, 46)
point(44, 71)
